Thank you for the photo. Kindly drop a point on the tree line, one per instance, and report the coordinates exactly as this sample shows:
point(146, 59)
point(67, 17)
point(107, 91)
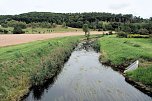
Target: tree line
point(97, 21)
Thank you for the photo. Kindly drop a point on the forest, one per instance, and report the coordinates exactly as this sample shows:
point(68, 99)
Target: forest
point(96, 21)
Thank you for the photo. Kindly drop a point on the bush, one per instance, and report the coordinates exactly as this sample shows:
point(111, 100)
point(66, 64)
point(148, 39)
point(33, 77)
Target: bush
point(122, 35)
point(14, 23)
point(3, 31)
point(96, 45)
point(138, 36)
point(18, 30)
point(4, 25)
point(150, 35)
point(54, 25)
point(64, 25)
point(143, 31)
point(110, 33)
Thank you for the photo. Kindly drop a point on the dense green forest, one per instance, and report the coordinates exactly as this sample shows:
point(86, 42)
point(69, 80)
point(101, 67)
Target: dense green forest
point(97, 21)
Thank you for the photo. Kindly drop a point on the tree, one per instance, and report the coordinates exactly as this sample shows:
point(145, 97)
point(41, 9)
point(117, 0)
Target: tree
point(125, 28)
point(86, 30)
point(100, 25)
point(18, 30)
point(94, 27)
point(64, 25)
point(150, 18)
point(14, 23)
point(109, 27)
point(54, 25)
point(148, 26)
point(5, 31)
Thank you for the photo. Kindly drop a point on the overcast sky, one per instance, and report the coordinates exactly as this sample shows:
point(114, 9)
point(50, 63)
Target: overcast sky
point(141, 8)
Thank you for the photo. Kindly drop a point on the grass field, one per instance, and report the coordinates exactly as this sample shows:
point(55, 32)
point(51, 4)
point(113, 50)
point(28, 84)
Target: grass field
point(30, 30)
point(50, 30)
point(122, 51)
point(24, 65)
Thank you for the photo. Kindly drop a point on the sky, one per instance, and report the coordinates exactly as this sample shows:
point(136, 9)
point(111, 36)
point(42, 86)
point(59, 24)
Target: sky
point(141, 8)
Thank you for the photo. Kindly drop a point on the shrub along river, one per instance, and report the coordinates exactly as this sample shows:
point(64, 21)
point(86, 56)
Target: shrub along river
point(84, 78)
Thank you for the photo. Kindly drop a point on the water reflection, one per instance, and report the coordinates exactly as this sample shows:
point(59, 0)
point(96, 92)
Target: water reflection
point(38, 91)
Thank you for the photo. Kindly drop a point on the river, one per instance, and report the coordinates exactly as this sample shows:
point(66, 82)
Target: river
point(84, 78)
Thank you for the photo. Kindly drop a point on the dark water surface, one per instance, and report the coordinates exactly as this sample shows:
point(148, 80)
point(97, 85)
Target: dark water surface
point(84, 78)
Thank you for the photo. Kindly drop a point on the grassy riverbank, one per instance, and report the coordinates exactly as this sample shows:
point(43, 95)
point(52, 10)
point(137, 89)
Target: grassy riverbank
point(24, 65)
point(120, 52)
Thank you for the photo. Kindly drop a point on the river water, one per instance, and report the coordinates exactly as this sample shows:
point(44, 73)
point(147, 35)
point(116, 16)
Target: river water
point(84, 78)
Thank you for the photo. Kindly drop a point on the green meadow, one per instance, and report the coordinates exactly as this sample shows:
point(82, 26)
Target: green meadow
point(122, 51)
point(39, 30)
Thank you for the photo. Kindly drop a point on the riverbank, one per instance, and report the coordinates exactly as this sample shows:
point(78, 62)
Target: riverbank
point(84, 78)
point(26, 65)
point(121, 52)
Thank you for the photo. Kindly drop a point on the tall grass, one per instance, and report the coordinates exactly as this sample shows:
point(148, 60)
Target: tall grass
point(30, 64)
point(143, 75)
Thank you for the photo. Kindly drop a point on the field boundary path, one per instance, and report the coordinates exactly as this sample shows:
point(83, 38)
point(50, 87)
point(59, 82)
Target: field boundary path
point(14, 39)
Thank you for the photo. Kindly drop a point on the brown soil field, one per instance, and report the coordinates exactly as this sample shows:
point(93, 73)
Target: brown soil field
point(14, 39)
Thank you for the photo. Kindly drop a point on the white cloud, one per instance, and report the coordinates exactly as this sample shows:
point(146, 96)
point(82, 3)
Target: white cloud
point(119, 6)
point(136, 7)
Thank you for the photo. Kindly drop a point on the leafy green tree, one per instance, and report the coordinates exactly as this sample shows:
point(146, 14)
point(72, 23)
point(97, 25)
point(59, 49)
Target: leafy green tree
point(94, 27)
point(125, 28)
point(100, 25)
point(148, 26)
point(103, 21)
point(64, 25)
point(14, 23)
point(1, 31)
point(4, 25)
point(54, 25)
point(5, 31)
point(150, 18)
point(18, 30)
point(86, 29)
point(109, 27)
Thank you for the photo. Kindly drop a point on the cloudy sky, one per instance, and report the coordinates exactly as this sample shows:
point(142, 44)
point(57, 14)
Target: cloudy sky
point(141, 8)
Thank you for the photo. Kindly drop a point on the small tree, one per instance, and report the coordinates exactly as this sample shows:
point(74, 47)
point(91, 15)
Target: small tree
point(94, 27)
point(5, 31)
point(54, 25)
point(18, 30)
point(64, 25)
point(86, 30)
point(14, 23)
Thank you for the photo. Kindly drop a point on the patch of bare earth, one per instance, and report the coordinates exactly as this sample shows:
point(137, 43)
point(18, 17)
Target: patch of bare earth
point(14, 39)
